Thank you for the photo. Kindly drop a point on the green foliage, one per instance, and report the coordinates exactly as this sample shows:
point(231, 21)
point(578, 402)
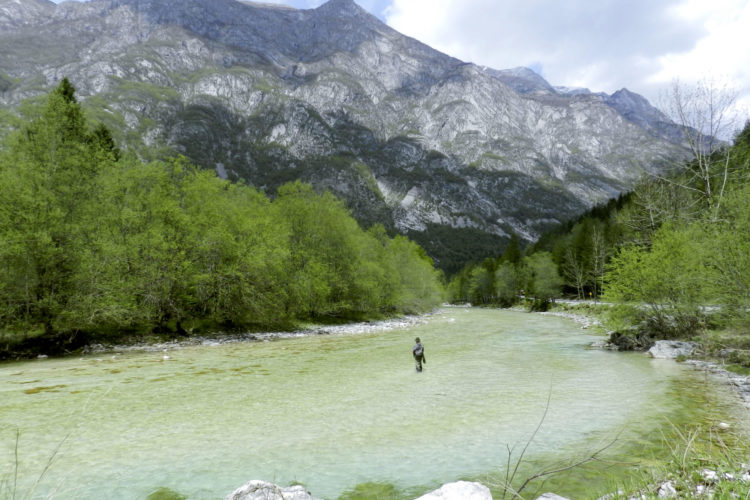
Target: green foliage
point(690, 252)
point(672, 244)
point(47, 174)
point(726, 244)
point(374, 491)
point(419, 284)
point(323, 250)
point(668, 274)
point(513, 252)
point(94, 240)
point(165, 494)
point(508, 283)
point(544, 282)
point(583, 247)
point(703, 462)
point(453, 247)
point(340, 270)
point(505, 280)
point(482, 283)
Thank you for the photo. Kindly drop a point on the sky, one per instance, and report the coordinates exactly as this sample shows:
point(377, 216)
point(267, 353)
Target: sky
point(603, 45)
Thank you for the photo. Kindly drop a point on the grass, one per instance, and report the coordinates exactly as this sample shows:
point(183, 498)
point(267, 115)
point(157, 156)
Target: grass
point(374, 491)
point(165, 494)
point(9, 489)
point(703, 462)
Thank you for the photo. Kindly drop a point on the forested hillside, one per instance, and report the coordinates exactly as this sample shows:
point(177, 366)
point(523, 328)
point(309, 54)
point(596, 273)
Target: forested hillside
point(92, 239)
point(676, 244)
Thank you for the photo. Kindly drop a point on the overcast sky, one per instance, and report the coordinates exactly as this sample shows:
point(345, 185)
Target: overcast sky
point(603, 45)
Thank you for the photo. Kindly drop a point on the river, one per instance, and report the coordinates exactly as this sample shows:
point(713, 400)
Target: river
point(334, 411)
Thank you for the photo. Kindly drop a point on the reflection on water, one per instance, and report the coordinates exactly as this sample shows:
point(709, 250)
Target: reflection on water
point(329, 411)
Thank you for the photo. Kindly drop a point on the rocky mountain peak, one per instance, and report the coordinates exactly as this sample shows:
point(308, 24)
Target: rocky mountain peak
point(631, 101)
point(638, 110)
point(521, 79)
point(347, 8)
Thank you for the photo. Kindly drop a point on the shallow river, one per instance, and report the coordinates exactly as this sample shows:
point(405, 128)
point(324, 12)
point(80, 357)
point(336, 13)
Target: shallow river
point(334, 411)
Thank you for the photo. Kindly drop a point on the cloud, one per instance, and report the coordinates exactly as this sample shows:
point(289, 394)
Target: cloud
point(576, 42)
point(723, 55)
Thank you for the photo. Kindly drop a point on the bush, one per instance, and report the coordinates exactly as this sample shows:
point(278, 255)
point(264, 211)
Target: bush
point(540, 305)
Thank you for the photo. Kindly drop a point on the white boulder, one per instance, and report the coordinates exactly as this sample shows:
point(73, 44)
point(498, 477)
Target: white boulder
point(461, 490)
point(551, 496)
point(263, 490)
point(671, 349)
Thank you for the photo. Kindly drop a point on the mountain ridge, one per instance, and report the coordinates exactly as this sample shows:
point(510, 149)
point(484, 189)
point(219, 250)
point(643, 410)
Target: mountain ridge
point(410, 137)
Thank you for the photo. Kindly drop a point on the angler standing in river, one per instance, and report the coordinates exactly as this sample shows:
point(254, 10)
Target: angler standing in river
point(418, 353)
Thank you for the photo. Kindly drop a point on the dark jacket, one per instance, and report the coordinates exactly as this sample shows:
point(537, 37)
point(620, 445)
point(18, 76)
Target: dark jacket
point(418, 350)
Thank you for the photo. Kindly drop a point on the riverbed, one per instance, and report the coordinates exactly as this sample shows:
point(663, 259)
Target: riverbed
point(334, 411)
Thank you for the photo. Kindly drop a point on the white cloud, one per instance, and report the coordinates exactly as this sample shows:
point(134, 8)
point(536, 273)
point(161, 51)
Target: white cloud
point(723, 55)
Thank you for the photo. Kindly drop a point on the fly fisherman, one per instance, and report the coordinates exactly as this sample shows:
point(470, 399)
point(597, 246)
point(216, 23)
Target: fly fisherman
point(418, 353)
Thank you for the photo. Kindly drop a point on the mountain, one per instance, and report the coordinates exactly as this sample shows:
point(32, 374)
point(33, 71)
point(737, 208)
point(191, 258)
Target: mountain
point(448, 152)
point(522, 80)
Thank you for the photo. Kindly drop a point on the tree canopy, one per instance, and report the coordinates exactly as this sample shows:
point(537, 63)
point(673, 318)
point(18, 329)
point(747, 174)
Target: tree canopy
point(93, 239)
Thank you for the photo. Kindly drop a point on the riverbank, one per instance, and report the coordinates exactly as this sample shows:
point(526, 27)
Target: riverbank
point(590, 317)
point(156, 343)
point(706, 462)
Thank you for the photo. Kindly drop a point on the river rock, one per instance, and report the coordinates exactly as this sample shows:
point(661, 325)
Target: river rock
point(551, 496)
point(667, 490)
point(709, 476)
point(263, 490)
point(461, 490)
point(670, 349)
point(602, 344)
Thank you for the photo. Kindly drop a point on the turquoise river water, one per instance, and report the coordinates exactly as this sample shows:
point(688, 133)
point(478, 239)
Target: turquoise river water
point(333, 411)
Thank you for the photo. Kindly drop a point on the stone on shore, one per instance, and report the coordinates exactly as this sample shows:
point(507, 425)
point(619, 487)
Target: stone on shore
point(667, 490)
point(461, 490)
point(671, 349)
point(263, 490)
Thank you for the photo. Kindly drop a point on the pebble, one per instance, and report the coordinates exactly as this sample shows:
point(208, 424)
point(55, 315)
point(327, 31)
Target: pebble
point(709, 476)
point(585, 321)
